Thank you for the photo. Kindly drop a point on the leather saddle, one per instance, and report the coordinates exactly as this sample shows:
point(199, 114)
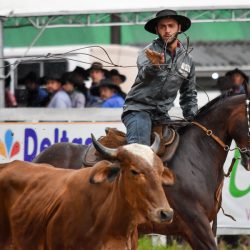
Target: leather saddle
point(115, 138)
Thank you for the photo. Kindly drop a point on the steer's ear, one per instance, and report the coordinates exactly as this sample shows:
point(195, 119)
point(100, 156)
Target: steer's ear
point(104, 171)
point(167, 177)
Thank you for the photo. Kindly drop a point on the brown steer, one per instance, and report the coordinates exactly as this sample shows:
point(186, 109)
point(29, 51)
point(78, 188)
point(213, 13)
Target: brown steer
point(43, 207)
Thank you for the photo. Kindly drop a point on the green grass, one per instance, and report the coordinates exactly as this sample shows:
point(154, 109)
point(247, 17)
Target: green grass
point(146, 244)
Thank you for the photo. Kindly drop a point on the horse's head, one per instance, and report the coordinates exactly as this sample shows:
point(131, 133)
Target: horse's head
point(238, 127)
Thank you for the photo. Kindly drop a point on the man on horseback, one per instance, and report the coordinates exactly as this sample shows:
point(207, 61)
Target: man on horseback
point(164, 67)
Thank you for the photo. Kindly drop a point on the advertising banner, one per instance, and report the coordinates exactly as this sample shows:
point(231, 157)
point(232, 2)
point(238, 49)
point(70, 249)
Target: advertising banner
point(24, 141)
point(236, 196)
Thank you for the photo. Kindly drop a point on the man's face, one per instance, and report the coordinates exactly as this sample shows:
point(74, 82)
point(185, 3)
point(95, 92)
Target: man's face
point(237, 79)
point(167, 29)
point(116, 79)
point(96, 75)
point(52, 86)
point(68, 87)
point(106, 93)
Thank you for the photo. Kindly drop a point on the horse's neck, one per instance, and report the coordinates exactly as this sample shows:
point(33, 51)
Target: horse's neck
point(202, 151)
point(218, 124)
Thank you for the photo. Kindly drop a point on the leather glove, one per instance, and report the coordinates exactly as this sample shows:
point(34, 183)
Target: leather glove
point(155, 57)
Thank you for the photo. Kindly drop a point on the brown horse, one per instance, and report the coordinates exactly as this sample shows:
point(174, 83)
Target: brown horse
point(198, 168)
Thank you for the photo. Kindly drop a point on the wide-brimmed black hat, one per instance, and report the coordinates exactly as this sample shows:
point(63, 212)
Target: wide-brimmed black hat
point(237, 71)
point(107, 83)
point(97, 66)
point(69, 77)
point(115, 72)
point(185, 22)
point(81, 71)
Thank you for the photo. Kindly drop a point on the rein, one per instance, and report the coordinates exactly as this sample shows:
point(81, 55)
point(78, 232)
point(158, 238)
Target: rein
point(210, 133)
point(225, 147)
point(222, 144)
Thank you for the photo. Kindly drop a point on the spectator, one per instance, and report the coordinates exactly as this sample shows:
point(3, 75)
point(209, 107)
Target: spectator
point(10, 99)
point(96, 73)
point(118, 79)
point(35, 94)
point(80, 75)
point(239, 78)
point(224, 84)
point(59, 98)
point(109, 93)
point(69, 84)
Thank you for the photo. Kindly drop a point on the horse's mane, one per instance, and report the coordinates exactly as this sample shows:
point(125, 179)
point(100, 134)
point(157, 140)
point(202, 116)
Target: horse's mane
point(219, 100)
point(213, 103)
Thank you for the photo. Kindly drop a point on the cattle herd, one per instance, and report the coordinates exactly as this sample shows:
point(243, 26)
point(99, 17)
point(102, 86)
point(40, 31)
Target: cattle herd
point(99, 207)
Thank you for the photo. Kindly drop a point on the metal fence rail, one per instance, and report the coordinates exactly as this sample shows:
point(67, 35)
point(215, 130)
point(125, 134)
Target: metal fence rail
point(68, 115)
point(60, 115)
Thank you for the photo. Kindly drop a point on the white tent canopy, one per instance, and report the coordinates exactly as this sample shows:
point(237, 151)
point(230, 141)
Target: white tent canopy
point(24, 8)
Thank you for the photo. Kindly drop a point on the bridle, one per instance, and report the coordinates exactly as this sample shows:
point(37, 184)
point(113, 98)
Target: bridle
point(248, 117)
point(226, 147)
point(247, 108)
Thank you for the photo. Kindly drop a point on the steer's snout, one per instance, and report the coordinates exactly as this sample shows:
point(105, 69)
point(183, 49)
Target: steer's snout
point(166, 215)
point(161, 215)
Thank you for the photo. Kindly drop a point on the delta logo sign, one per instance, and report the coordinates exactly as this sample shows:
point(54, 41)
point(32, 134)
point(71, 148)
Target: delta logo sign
point(33, 143)
point(8, 147)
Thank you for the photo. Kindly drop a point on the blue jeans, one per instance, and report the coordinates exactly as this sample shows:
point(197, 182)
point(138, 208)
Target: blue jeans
point(139, 125)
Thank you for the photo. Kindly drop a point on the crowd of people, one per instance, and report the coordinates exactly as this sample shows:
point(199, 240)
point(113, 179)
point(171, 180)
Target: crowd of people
point(70, 91)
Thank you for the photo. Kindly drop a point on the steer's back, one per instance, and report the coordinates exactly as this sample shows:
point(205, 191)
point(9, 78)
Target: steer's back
point(19, 177)
point(28, 196)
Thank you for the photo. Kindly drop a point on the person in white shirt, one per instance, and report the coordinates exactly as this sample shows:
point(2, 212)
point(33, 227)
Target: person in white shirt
point(60, 98)
point(69, 84)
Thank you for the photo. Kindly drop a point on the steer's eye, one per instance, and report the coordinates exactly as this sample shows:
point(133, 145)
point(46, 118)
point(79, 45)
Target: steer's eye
point(134, 172)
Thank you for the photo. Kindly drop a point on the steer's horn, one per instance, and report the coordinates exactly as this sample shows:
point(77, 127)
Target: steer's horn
point(105, 151)
point(156, 144)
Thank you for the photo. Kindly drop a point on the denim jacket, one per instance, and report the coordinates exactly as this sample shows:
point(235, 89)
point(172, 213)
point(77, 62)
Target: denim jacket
point(155, 88)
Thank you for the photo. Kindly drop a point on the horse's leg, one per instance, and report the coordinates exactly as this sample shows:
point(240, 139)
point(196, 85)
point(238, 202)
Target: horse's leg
point(198, 231)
